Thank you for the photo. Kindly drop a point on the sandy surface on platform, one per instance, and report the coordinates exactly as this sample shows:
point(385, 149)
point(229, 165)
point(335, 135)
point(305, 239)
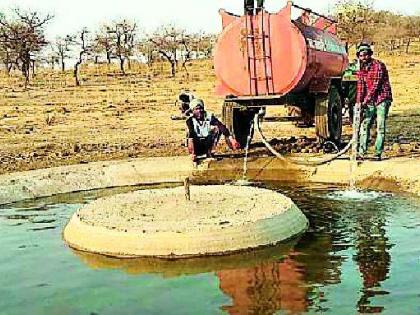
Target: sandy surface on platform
point(163, 210)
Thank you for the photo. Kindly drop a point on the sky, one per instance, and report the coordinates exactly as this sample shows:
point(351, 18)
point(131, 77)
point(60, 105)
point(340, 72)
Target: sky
point(194, 15)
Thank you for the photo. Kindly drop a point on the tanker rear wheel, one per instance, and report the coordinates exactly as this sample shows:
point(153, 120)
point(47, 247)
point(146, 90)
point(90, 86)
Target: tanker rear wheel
point(239, 121)
point(328, 115)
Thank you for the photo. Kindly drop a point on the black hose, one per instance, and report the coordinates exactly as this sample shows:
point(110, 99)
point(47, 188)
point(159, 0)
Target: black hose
point(307, 162)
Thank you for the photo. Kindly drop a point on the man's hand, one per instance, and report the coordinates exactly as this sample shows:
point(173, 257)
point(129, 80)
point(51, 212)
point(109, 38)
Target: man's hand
point(233, 144)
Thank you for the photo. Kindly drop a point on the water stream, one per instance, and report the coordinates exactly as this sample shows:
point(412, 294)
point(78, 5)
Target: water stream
point(244, 181)
point(354, 148)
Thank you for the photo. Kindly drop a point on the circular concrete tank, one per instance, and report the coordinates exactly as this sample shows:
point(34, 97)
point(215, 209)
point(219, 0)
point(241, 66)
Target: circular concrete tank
point(162, 223)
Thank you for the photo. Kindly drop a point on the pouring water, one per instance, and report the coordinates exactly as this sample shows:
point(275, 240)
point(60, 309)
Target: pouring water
point(244, 181)
point(353, 153)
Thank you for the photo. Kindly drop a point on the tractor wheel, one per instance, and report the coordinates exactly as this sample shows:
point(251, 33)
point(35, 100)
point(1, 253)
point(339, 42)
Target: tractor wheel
point(328, 116)
point(238, 120)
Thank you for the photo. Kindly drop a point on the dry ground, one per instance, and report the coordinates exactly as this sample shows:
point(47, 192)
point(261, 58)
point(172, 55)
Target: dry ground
point(113, 116)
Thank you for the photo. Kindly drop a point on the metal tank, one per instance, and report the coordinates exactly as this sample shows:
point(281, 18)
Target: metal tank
point(264, 59)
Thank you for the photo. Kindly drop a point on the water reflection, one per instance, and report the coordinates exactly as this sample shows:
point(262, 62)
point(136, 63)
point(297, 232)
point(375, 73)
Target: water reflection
point(265, 288)
point(173, 268)
point(372, 256)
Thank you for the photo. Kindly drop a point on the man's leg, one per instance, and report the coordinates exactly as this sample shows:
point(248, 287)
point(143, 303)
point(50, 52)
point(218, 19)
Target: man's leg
point(369, 114)
point(209, 144)
point(381, 115)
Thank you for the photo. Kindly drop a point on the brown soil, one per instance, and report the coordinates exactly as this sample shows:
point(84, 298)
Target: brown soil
point(116, 117)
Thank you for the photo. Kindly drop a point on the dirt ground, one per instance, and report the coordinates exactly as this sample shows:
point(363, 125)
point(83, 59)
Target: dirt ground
point(116, 117)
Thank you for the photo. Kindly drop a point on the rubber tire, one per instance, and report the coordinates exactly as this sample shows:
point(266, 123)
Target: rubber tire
point(328, 116)
point(238, 121)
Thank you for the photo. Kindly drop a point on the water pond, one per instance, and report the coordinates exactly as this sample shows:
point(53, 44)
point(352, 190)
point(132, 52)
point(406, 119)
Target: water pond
point(360, 255)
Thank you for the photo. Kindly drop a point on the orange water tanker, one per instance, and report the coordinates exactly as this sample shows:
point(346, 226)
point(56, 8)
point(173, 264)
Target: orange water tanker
point(264, 58)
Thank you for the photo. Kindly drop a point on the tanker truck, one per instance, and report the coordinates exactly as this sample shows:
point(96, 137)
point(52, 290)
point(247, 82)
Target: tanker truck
point(265, 59)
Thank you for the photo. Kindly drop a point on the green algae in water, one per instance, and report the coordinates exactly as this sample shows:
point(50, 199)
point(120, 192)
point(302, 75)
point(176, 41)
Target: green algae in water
point(358, 256)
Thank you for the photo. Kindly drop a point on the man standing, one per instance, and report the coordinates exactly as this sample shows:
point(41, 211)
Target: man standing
point(249, 6)
point(374, 98)
point(203, 132)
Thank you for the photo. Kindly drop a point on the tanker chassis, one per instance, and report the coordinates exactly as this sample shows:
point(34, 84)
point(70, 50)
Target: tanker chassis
point(263, 59)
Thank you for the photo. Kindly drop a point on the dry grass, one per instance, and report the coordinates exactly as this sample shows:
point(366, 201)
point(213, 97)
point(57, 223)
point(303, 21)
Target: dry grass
point(113, 116)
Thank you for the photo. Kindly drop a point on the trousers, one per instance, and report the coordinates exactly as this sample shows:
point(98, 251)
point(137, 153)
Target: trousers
point(380, 112)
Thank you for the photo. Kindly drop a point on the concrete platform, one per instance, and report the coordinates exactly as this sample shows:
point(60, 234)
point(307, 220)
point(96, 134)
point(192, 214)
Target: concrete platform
point(162, 223)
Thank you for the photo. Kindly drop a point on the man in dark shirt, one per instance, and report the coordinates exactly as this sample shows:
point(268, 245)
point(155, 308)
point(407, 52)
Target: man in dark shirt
point(249, 6)
point(374, 97)
point(204, 130)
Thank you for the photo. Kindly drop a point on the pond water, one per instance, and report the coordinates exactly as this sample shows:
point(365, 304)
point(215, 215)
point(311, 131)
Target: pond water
point(360, 255)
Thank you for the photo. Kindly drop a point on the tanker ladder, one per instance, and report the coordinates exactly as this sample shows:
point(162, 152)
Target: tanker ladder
point(306, 162)
point(264, 42)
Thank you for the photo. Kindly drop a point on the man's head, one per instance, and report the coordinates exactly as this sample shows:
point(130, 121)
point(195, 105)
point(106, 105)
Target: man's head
point(197, 106)
point(364, 53)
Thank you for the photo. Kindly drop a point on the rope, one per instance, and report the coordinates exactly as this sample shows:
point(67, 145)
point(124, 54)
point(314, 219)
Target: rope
point(307, 162)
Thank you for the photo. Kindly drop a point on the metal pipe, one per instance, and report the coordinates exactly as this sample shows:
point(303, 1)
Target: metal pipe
point(313, 12)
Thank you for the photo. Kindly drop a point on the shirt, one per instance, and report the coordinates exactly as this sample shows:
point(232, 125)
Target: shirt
point(209, 120)
point(373, 85)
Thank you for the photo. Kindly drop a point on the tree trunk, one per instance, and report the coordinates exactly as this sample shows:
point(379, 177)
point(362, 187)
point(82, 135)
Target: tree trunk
point(184, 66)
point(408, 45)
point(7, 66)
point(122, 65)
point(63, 65)
point(173, 68)
point(108, 57)
point(26, 75)
point(26, 67)
point(33, 68)
point(76, 73)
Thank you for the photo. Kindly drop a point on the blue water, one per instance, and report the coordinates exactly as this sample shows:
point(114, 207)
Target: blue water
point(360, 255)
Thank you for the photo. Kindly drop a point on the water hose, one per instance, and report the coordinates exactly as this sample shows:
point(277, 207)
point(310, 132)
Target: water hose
point(306, 162)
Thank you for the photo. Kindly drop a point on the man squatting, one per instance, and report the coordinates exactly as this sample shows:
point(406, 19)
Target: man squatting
point(203, 132)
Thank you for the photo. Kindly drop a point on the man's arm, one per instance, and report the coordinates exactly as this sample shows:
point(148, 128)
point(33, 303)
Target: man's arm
point(190, 139)
point(216, 122)
point(231, 141)
point(378, 72)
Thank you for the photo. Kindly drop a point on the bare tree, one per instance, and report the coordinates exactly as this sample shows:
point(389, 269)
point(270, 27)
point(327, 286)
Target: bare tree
point(205, 45)
point(84, 49)
point(187, 44)
point(21, 38)
point(123, 34)
point(63, 49)
point(196, 46)
point(167, 41)
point(356, 20)
point(104, 43)
point(146, 49)
point(412, 26)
